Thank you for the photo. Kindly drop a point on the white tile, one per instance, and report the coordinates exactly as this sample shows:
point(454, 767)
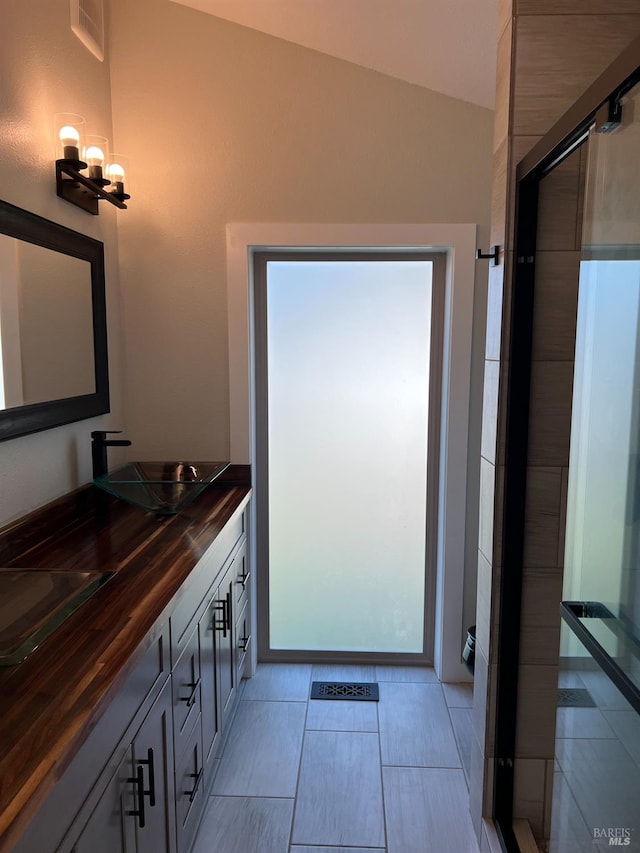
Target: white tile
point(339, 800)
point(582, 722)
point(488, 594)
point(486, 516)
point(626, 725)
point(262, 755)
point(577, 750)
point(279, 682)
point(415, 729)
point(605, 694)
point(427, 809)
point(463, 729)
point(424, 674)
point(490, 410)
point(603, 779)
point(343, 672)
point(458, 695)
point(477, 777)
point(297, 849)
point(569, 832)
point(569, 678)
point(342, 715)
point(245, 825)
point(482, 702)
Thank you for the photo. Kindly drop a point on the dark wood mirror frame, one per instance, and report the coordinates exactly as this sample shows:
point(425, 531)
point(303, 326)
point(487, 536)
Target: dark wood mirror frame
point(34, 417)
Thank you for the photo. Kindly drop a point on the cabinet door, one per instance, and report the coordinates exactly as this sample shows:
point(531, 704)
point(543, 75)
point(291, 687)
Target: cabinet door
point(208, 684)
point(190, 785)
point(242, 640)
point(224, 647)
point(152, 751)
point(186, 693)
point(242, 578)
point(111, 829)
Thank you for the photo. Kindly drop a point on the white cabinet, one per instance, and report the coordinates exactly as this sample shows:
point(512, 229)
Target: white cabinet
point(135, 813)
point(110, 828)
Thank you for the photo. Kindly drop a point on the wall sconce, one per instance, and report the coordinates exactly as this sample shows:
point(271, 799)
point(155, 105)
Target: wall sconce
point(116, 171)
point(84, 182)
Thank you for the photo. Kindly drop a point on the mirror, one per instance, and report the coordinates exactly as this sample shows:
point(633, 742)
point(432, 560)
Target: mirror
point(53, 335)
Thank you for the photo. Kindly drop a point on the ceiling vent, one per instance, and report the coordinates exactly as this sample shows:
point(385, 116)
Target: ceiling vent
point(87, 22)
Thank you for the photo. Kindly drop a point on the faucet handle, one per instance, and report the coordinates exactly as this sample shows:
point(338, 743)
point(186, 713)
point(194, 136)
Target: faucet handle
point(101, 434)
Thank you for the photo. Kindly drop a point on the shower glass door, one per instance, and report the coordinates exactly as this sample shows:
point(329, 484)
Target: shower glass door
point(597, 777)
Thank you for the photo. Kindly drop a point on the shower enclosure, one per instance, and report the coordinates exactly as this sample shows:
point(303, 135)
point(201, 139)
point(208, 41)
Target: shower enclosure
point(568, 752)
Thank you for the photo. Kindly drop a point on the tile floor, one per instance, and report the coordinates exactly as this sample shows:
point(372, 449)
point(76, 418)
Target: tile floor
point(333, 776)
point(597, 768)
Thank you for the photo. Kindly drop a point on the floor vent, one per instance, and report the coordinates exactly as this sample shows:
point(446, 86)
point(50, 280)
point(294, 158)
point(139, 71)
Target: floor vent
point(575, 697)
point(363, 691)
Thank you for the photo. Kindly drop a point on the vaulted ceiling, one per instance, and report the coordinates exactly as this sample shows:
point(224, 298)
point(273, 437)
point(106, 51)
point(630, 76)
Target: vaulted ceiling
point(445, 45)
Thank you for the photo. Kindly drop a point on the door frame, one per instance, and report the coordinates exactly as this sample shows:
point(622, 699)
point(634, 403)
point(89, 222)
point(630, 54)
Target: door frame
point(460, 424)
point(261, 403)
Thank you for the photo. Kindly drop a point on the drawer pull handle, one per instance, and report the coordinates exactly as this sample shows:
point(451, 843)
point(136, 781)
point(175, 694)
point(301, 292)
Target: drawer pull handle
point(191, 698)
point(243, 642)
point(138, 779)
point(224, 624)
point(198, 777)
point(243, 578)
point(151, 792)
point(221, 624)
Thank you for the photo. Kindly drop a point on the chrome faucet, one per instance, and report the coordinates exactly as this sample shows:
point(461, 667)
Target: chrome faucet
point(99, 444)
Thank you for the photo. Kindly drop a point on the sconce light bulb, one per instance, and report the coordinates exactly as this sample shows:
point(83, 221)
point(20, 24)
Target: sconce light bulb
point(94, 155)
point(115, 172)
point(69, 136)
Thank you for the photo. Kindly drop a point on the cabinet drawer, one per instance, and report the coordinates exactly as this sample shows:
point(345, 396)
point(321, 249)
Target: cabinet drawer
point(189, 790)
point(241, 577)
point(186, 693)
point(242, 641)
point(198, 586)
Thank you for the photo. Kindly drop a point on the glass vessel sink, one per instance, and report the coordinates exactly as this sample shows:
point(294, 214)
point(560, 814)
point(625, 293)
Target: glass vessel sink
point(163, 488)
point(34, 602)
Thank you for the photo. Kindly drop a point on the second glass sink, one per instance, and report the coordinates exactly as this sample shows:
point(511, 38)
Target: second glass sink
point(34, 602)
point(163, 488)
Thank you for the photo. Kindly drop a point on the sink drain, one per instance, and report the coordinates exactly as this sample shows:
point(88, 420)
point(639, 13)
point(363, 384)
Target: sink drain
point(364, 691)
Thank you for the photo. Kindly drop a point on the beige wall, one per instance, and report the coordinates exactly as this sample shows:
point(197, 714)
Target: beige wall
point(225, 124)
point(45, 69)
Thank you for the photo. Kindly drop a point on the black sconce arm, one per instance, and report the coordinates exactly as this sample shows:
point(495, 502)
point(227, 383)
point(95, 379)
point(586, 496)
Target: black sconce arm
point(77, 189)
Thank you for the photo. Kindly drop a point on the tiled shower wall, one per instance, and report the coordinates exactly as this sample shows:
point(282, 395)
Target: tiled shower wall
point(549, 52)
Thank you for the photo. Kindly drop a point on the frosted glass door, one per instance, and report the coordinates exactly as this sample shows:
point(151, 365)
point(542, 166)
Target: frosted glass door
point(348, 346)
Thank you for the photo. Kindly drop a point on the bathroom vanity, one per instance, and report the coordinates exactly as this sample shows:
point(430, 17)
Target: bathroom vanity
point(110, 729)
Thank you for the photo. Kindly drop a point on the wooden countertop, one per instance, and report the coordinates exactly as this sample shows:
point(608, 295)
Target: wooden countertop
point(50, 702)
